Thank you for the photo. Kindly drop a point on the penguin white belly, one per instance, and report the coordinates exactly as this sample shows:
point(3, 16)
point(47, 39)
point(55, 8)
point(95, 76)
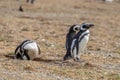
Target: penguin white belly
point(32, 50)
point(108, 0)
point(82, 44)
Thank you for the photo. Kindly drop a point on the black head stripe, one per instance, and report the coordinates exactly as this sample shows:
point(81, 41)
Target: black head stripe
point(26, 43)
point(18, 53)
point(23, 44)
point(18, 56)
point(26, 54)
point(83, 36)
point(17, 49)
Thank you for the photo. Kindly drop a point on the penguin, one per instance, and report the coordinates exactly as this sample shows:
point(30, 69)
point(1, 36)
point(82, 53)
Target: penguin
point(21, 9)
point(32, 1)
point(108, 1)
point(27, 1)
point(79, 41)
point(70, 35)
point(27, 50)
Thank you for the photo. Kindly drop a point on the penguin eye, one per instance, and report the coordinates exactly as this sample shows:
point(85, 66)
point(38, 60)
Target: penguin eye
point(85, 26)
point(76, 28)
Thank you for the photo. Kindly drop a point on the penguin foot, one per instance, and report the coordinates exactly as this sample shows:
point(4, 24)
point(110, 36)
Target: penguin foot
point(77, 60)
point(67, 57)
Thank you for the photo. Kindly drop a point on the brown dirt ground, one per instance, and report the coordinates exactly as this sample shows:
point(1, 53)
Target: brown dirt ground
point(47, 22)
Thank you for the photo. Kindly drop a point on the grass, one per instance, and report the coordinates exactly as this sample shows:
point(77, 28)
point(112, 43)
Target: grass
point(2, 38)
point(118, 50)
point(10, 53)
point(25, 29)
point(113, 77)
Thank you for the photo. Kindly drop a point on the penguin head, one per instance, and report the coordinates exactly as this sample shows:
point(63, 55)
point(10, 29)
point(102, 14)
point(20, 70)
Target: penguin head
point(74, 28)
point(86, 26)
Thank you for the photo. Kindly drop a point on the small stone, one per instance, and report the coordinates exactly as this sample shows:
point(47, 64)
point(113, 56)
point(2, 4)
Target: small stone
point(52, 45)
point(98, 49)
point(109, 55)
point(43, 40)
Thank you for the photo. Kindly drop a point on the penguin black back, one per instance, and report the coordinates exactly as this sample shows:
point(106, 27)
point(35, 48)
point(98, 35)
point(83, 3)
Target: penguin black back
point(70, 35)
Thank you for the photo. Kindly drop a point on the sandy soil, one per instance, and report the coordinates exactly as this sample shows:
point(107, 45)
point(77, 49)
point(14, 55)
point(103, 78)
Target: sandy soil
point(47, 22)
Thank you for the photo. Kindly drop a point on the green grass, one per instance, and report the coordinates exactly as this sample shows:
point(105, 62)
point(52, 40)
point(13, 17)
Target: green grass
point(1, 38)
point(113, 77)
point(118, 50)
point(10, 53)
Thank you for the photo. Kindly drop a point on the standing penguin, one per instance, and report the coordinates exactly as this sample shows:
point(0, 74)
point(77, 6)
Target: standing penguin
point(79, 42)
point(32, 1)
point(21, 9)
point(70, 35)
point(27, 50)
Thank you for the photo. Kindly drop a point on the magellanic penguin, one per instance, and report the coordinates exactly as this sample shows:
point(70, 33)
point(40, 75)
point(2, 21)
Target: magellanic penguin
point(21, 9)
point(69, 37)
point(79, 41)
point(32, 1)
point(27, 50)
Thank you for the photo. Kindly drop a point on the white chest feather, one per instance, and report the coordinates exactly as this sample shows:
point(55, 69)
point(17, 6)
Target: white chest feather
point(32, 49)
point(83, 43)
point(31, 46)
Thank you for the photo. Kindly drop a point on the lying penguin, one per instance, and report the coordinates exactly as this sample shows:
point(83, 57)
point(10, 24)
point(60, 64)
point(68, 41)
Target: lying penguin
point(76, 45)
point(27, 50)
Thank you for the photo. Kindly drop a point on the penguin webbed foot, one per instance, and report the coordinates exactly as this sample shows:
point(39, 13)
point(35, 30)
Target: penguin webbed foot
point(77, 59)
point(67, 57)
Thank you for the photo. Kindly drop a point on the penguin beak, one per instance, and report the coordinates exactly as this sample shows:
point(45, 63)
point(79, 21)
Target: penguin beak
point(90, 25)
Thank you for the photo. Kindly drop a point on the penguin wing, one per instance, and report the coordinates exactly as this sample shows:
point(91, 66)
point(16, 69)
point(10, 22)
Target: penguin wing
point(31, 46)
point(69, 39)
point(66, 44)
